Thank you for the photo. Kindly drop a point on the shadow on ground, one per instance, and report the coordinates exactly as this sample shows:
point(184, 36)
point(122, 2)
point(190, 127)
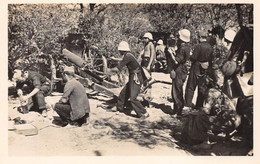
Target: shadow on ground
point(167, 109)
point(142, 132)
point(167, 132)
point(163, 132)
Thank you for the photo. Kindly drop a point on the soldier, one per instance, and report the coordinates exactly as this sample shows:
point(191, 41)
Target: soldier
point(132, 88)
point(180, 69)
point(148, 54)
point(160, 55)
point(39, 86)
point(229, 66)
point(218, 114)
point(73, 107)
point(201, 60)
point(170, 50)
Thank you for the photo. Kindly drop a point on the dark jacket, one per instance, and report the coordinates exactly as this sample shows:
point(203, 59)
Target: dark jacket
point(182, 55)
point(75, 93)
point(133, 66)
point(202, 53)
point(34, 80)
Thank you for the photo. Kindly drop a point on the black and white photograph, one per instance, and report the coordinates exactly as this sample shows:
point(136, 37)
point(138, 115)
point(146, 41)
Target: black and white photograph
point(89, 79)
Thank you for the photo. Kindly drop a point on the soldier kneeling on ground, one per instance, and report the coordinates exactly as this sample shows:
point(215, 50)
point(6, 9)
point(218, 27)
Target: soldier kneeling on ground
point(217, 115)
point(73, 107)
point(39, 86)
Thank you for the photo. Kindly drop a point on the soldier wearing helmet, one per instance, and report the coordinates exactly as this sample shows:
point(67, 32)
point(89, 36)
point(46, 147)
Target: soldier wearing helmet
point(136, 79)
point(201, 59)
point(160, 48)
point(148, 54)
point(181, 71)
point(160, 55)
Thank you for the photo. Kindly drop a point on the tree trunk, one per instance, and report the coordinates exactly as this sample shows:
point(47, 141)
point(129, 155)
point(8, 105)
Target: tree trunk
point(81, 7)
point(92, 6)
point(251, 16)
point(239, 18)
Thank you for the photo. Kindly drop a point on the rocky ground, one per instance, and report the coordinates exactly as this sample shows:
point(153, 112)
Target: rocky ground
point(113, 134)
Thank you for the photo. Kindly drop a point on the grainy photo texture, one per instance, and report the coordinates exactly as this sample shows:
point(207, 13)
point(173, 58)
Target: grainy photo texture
point(130, 79)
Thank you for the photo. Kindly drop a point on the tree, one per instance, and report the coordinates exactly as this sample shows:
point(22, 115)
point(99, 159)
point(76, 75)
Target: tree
point(35, 29)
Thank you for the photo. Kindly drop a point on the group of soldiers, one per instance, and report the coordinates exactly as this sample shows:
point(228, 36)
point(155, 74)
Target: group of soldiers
point(73, 107)
point(217, 111)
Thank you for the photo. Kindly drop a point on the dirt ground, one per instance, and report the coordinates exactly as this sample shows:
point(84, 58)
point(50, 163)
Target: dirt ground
point(114, 134)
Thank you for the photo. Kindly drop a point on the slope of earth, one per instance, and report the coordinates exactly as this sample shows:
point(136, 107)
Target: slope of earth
point(113, 134)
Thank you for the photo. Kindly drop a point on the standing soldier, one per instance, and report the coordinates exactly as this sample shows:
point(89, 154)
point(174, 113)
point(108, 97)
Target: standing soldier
point(160, 55)
point(148, 54)
point(218, 114)
point(170, 50)
point(201, 60)
point(132, 88)
point(180, 70)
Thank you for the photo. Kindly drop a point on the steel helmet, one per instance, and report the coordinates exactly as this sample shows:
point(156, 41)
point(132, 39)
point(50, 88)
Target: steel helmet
point(230, 35)
point(160, 42)
point(148, 35)
point(171, 36)
point(184, 35)
point(123, 46)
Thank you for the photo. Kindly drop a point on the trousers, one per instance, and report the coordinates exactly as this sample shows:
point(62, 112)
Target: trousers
point(130, 91)
point(195, 79)
point(177, 88)
point(63, 110)
point(38, 99)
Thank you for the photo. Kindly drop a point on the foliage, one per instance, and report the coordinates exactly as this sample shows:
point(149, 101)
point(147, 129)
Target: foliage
point(118, 22)
point(129, 22)
point(41, 28)
point(34, 29)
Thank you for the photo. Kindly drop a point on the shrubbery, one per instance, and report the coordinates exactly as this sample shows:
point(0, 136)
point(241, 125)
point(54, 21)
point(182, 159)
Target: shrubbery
point(41, 28)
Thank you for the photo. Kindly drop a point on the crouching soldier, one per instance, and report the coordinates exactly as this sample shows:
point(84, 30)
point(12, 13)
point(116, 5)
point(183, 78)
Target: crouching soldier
point(39, 86)
point(132, 88)
point(73, 107)
point(217, 115)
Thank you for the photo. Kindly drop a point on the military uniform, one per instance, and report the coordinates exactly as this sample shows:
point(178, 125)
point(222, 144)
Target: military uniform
point(149, 51)
point(181, 71)
point(219, 115)
point(36, 80)
point(202, 55)
point(132, 88)
point(77, 108)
